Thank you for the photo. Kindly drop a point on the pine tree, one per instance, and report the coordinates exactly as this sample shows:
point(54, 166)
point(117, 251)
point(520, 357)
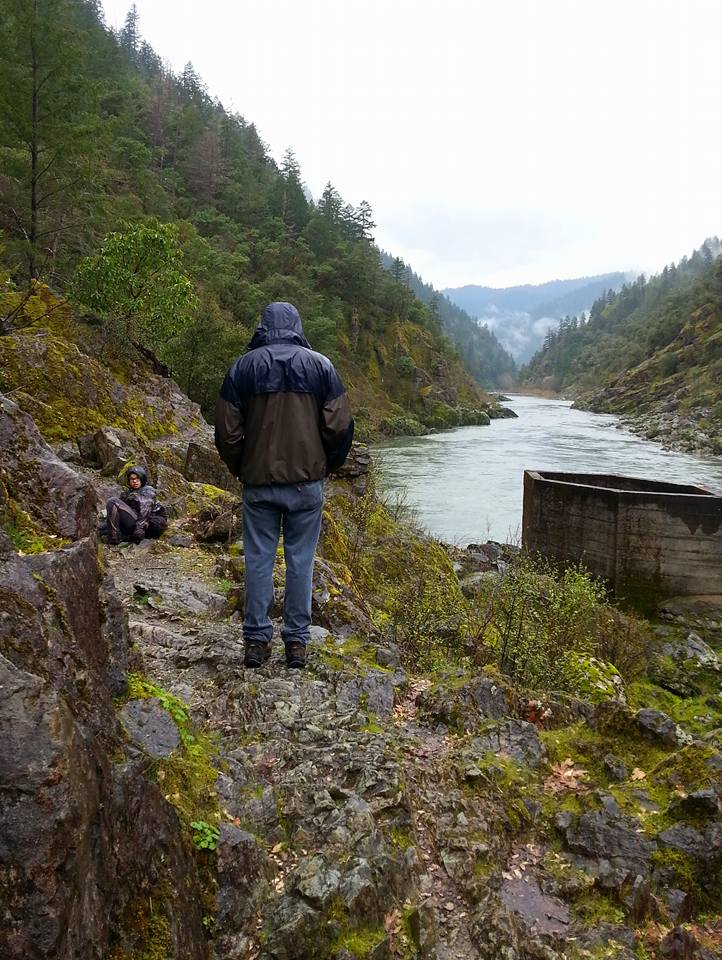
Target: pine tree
point(290, 200)
point(48, 125)
point(129, 37)
point(399, 271)
point(192, 88)
point(330, 204)
point(364, 219)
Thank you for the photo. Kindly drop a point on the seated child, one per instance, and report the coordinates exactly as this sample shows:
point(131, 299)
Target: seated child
point(135, 514)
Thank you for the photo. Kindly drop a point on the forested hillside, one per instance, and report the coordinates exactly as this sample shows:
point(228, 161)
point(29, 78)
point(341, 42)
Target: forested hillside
point(484, 356)
point(161, 215)
point(653, 351)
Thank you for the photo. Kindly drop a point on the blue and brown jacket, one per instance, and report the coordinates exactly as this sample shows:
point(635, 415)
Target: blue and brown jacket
point(283, 414)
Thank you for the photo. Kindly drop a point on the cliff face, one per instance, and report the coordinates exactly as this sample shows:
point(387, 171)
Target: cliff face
point(446, 779)
point(87, 838)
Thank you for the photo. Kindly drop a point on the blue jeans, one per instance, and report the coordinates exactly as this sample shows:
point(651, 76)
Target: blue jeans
point(296, 509)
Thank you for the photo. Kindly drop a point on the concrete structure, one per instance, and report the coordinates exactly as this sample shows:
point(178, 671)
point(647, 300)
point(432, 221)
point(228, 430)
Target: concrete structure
point(647, 539)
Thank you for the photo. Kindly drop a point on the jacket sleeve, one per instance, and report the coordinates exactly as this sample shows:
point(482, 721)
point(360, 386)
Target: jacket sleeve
point(229, 429)
point(337, 424)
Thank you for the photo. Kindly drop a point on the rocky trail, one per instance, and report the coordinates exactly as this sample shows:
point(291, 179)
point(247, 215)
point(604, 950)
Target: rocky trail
point(368, 822)
point(345, 809)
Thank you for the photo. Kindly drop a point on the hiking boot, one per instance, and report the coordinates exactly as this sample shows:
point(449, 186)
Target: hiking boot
point(295, 656)
point(256, 653)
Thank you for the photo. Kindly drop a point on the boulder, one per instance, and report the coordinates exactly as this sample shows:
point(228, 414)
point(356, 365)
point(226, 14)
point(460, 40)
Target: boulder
point(464, 704)
point(116, 449)
point(241, 883)
point(617, 844)
point(203, 465)
point(695, 648)
point(59, 501)
point(515, 739)
point(615, 768)
point(658, 727)
point(89, 844)
point(150, 727)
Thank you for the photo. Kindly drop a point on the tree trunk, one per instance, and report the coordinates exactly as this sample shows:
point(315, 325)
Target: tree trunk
point(33, 149)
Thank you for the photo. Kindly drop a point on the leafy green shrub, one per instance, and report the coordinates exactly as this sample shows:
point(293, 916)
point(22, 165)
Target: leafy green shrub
point(442, 417)
point(469, 416)
point(136, 284)
point(321, 333)
point(405, 366)
point(426, 619)
point(533, 619)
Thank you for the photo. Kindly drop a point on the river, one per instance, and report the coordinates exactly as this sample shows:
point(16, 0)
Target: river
point(465, 485)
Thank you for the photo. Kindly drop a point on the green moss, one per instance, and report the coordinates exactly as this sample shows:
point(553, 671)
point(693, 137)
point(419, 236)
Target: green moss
point(67, 391)
point(401, 839)
point(590, 678)
point(144, 929)
point(187, 777)
point(360, 942)
point(593, 908)
point(24, 533)
point(697, 714)
point(372, 726)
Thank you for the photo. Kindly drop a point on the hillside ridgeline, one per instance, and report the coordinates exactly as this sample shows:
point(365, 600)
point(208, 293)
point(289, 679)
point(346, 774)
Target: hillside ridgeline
point(652, 353)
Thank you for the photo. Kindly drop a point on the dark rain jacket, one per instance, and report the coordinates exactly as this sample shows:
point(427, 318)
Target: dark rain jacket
point(283, 414)
point(143, 503)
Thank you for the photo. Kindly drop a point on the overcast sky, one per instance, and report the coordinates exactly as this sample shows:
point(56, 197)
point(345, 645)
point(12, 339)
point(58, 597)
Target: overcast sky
point(498, 141)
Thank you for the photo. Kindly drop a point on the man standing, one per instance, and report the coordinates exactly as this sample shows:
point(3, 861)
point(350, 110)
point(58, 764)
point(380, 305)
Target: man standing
point(283, 423)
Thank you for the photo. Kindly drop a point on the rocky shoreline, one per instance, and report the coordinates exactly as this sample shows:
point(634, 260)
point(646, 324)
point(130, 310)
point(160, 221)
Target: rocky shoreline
point(693, 432)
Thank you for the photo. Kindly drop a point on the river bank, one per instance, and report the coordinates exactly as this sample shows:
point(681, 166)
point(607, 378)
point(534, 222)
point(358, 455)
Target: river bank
point(465, 485)
point(696, 432)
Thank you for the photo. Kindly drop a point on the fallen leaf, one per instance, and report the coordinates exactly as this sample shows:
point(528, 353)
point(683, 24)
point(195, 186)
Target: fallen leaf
point(565, 776)
point(638, 774)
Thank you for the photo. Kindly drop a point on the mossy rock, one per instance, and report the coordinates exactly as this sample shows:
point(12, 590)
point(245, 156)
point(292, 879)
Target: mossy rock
point(70, 393)
point(592, 679)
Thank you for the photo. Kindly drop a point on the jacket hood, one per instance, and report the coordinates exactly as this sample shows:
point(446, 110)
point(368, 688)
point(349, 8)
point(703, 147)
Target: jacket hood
point(139, 472)
point(280, 321)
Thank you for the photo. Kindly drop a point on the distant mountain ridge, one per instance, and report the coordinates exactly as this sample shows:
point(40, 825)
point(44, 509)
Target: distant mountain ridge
point(521, 316)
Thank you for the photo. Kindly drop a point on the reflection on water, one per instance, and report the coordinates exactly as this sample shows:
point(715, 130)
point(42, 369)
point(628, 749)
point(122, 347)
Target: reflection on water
point(465, 485)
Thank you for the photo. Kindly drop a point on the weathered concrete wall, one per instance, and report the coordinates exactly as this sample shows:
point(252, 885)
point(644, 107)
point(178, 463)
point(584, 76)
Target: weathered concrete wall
point(642, 536)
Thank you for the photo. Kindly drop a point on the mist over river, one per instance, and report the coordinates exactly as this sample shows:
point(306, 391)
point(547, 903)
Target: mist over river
point(465, 485)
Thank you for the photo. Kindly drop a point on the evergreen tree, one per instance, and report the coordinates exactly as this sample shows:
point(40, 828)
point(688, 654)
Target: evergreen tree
point(49, 126)
point(364, 219)
point(331, 204)
point(129, 36)
point(290, 199)
point(399, 271)
point(192, 88)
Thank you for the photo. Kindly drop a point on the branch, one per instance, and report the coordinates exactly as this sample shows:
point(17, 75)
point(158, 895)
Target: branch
point(68, 226)
point(48, 165)
point(45, 80)
point(20, 223)
point(59, 189)
point(7, 319)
